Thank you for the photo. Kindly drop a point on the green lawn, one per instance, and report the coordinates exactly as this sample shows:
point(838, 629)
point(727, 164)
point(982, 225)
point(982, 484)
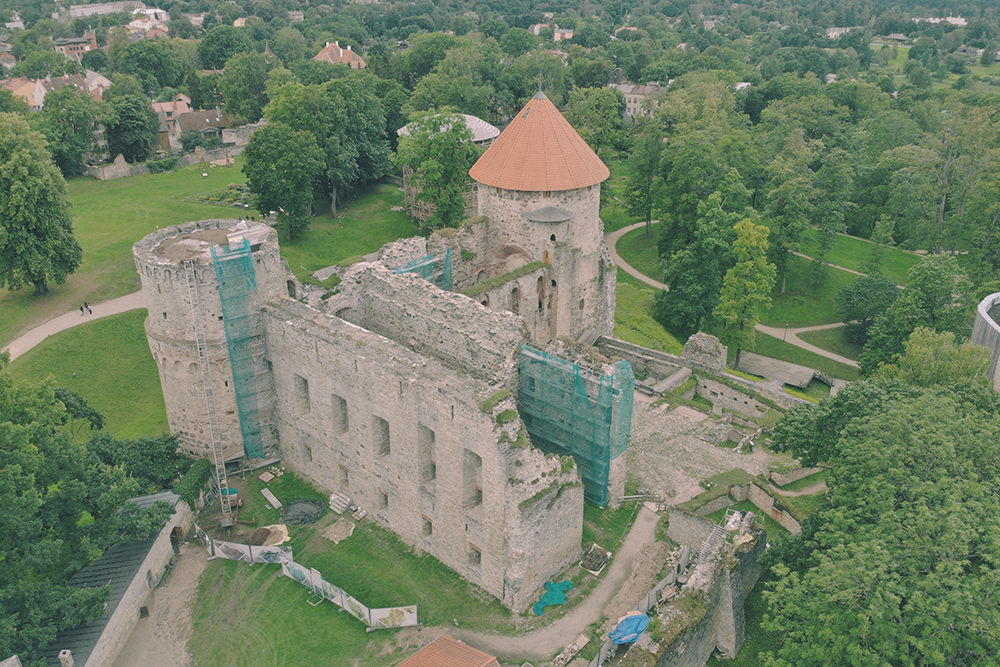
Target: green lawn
point(634, 321)
point(640, 252)
point(362, 227)
point(803, 304)
point(852, 253)
point(834, 340)
point(607, 527)
point(775, 347)
point(806, 482)
point(114, 370)
point(108, 218)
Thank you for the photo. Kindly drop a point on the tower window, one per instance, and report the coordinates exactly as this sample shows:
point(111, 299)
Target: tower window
point(552, 238)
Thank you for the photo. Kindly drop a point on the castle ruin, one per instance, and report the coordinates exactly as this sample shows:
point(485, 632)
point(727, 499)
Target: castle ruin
point(434, 388)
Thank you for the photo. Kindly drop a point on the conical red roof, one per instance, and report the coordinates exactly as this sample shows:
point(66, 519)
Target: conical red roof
point(539, 152)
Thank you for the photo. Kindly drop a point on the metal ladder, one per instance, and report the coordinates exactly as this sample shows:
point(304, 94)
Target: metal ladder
point(711, 542)
point(206, 383)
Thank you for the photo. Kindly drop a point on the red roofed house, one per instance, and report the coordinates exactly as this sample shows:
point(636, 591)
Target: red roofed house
point(447, 652)
point(334, 53)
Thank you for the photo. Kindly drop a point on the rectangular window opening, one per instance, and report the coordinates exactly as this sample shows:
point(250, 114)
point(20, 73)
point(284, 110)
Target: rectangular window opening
point(380, 436)
point(340, 422)
point(301, 394)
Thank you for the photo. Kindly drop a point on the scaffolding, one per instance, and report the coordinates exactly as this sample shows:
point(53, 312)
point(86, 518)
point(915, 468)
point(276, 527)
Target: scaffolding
point(433, 270)
point(208, 388)
point(241, 312)
point(586, 415)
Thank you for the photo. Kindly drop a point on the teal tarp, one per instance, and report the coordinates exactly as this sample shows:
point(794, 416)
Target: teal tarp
point(554, 594)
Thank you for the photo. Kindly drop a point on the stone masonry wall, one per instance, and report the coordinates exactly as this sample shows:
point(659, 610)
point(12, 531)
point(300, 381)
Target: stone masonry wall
point(449, 326)
point(405, 437)
point(688, 529)
point(725, 397)
point(170, 328)
point(986, 332)
point(765, 502)
point(126, 615)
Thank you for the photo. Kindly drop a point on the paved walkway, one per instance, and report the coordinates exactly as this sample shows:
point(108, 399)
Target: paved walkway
point(791, 336)
point(74, 318)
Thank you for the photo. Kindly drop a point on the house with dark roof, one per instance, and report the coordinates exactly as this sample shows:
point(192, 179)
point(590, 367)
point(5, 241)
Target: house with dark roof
point(133, 570)
point(210, 123)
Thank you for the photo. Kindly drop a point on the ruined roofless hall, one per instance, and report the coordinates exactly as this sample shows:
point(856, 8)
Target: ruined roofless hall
point(404, 396)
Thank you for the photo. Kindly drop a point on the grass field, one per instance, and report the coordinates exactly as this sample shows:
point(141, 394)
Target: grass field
point(640, 252)
point(803, 304)
point(852, 253)
point(774, 347)
point(363, 226)
point(108, 217)
point(114, 371)
point(834, 340)
point(634, 321)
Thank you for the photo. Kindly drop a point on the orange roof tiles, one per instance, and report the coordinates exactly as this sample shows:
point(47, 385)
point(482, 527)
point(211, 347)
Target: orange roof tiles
point(447, 652)
point(539, 152)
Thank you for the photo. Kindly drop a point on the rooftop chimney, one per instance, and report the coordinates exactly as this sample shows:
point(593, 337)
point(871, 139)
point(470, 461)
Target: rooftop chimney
point(66, 658)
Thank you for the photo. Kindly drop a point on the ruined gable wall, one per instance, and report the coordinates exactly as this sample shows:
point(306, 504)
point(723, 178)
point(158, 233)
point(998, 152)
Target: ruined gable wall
point(468, 500)
point(444, 325)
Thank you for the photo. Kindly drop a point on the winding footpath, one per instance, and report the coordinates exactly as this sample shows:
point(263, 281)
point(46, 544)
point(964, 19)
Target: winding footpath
point(73, 318)
point(789, 335)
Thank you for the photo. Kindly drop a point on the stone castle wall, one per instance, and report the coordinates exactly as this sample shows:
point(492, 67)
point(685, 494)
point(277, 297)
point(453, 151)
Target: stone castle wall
point(986, 332)
point(405, 437)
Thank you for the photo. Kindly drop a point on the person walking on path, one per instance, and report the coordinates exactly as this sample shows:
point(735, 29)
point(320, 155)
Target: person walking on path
point(87, 306)
point(82, 312)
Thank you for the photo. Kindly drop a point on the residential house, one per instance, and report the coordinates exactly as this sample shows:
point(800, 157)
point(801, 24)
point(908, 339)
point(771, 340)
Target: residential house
point(450, 652)
point(74, 47)
point(82, 11)
point(240, 22)
point(296, 16)
point(96, 83)
point(172, 109)
point(7, 60)
point(163, 133)
point(640, 100)
point(30, 90)
point(334, 53)
point(209, 123)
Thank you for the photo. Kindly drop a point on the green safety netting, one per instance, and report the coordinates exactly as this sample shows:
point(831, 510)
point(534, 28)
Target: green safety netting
point(427, 267)
point(586, 416)
point(238, 291)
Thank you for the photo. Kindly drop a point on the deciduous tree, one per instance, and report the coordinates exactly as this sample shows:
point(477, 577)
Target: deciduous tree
point(746, 289)
point(69, 122)
point(36, 227)
point(222, 43)
point(864, 301)
point(244, 86)
point(131, 127)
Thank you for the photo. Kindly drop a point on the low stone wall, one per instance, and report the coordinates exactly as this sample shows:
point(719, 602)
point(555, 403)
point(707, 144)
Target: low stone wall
point(781, 479)
point(688, 529)
point(725, 397)
point(714, 505)
point(122, 169)
point(762, 500)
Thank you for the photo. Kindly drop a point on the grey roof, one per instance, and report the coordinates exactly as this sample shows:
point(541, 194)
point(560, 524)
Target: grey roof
point(12, 661)
point(550, 214)
point(118, 566)
point(481, 130)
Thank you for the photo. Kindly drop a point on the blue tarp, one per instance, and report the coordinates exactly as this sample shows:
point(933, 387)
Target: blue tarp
point(629, 629)
point(554, 594)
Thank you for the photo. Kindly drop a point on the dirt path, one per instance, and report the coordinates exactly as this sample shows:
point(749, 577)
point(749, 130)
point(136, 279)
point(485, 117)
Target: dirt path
point(160, 640)
point(792, 336)
point(544, 643)
point(73, 318)
point(612, 240)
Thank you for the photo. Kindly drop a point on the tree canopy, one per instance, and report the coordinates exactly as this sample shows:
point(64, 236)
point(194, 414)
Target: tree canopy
point(36, 228)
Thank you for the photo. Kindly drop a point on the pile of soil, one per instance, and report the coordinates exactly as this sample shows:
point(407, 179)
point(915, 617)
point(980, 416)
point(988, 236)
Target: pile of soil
point(301, 512)
point(260, 536)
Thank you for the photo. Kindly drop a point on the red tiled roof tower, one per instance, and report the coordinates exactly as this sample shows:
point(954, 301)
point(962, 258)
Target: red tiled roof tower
point(539, 152)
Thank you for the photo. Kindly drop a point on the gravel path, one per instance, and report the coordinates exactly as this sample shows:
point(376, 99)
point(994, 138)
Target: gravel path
point(74, 318)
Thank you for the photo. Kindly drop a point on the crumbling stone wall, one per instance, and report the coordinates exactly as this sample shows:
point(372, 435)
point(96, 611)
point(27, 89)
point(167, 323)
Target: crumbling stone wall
point(725, 397)
point(765, 502)
point(451, 327)
point(706, 352)
point(407, 438)
point(986, 332)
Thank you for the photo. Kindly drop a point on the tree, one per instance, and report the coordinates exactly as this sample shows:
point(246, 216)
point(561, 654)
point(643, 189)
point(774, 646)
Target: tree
point(348, 122)
point(938, 297)
point(220, 44)
point(643, 173)
point(11, 103)
point(864, 301)
point(518, 41)
point(596, 113)
point(746, 289)
point(152, 62)
point(36, 227)
point(62, 508)
point(898, 567)
point(833, 183)
point(789, 201)
point(282, 167)
point(932, 358)
point(440, 152)
point(290, 46)
point(69, 121)
point(123, 85)
point(153, 462)
point(131, 126)
point(244, 86)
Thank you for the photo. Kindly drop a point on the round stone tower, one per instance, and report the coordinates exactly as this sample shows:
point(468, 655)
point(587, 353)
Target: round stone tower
point(540, 188)
point(182, 295)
